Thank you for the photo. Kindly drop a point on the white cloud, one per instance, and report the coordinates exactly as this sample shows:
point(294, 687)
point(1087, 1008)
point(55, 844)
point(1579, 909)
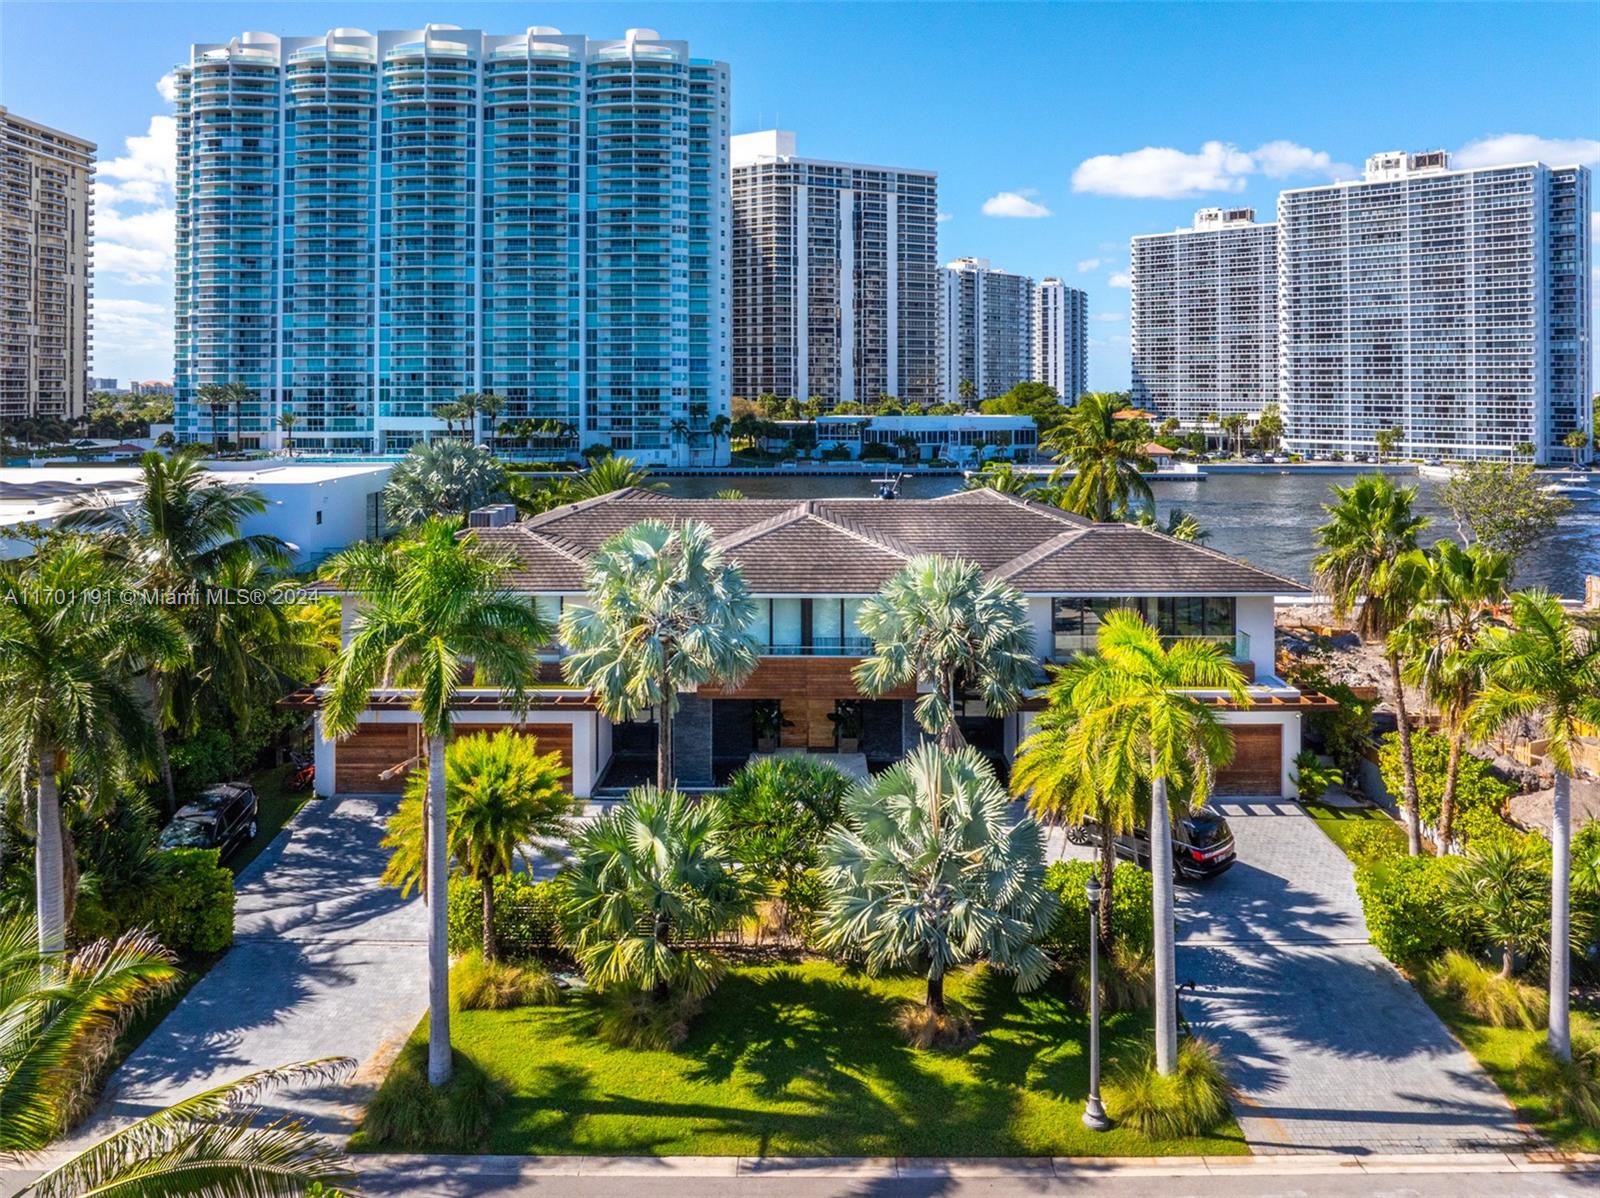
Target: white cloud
point(1504, 148)
point(944, 216)
point(132, 321)
point(1109, 316)
point(1160, 172)
point(1120, 279)
point(1015, 204)
point(167, 85)
point(134, 218)
point(1089, 264)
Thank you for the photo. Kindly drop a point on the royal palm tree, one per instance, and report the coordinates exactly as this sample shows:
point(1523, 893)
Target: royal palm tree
point(1106, 454)
point(938, 621)
point(69, 648)
point(432, 606)
point(1438, 643)
point(650, 882)
point(929, 873)
point(1136, 701)
point(1369, 564)
point(287, 422)
point(489, 406)
point(1546, 667)
point(442, 478)
point(54, 1017)
point(666, 611)
point(501, 794)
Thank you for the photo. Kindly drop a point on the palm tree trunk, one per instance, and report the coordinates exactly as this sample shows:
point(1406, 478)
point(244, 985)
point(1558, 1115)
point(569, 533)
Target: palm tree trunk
point(947, 734)
point(1408, 765)
point(154, 700)
point(936, 994)
point(1508, 959)
point(238, 431)
point(1447, 802)
point(1560, 1034)
point(49, 865)
point(438, 896)
point(1166, 933)
point(664, 739)
point(491, 942)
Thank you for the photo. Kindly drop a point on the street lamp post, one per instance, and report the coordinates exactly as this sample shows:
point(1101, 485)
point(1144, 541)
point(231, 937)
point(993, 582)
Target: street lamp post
point(1094, 1115)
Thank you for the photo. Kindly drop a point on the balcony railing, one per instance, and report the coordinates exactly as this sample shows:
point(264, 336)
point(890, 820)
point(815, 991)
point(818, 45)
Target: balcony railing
point(848, 646)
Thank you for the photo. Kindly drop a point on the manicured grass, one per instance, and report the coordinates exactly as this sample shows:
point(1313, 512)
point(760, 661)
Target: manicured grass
point(1339, 822)
point(801, 1059)
point(1498, 1050)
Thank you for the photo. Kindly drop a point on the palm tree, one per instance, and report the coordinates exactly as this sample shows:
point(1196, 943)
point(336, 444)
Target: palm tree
point(667, 611)
point(68, 652)
point(929, 873)
point(678, 430)
point(501, 794)
point(489, 406)
point(55, 1018)
point(442, 478)
point(178, 535)
point(1460, 588)
point(778, 810)
point(1107, 456)
point(236, 396)
point(216, 397)
point(287, 422)
point(1369, 564)
point(968, 391)
point(650, 882)
point(1234, 424)
point(612, 474)
point(1003, 477)
point(431, 606)
point(1546, 667)
point(1135, 698)
point(1500, 890)
point(940, 622)
point(1180, 526)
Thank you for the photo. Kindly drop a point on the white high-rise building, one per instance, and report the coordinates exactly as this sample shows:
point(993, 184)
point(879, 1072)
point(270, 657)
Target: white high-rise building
point(1061, 338)
point(1204, 304)
point(987, 323)
point(835, 276)
point(1452, 305)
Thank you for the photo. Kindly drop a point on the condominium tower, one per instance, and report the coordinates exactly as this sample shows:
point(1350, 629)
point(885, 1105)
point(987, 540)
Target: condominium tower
point(370, 225)
point(1452, 305)
point(1204, 304)
point(46, 227)
point(835, 276)
point(987, 335)
point(1060, 338)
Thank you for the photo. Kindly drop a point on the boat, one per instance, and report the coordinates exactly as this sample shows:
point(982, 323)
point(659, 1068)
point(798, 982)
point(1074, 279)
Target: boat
point(1570, 490)
point(889, 488)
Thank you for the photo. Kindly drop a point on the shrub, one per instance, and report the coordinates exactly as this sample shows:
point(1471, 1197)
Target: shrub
point(1314, 778)
point(923, 1028)
point(1480, 795)
point(527, 916)
point(1482, 992)
point(1345, 729)
point(1132, 909)
point(478, 984)
point(1572, 1087)
point(1405, 904)
point(1373, 841)
point(1127, 980)
point(188, 907)
point(409, 1115)
point(634, 1018)
point(1193, 1101)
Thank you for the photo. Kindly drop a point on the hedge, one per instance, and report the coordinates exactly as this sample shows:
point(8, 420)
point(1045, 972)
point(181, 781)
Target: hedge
point(1132, 908)
point(1480, 795)
point(527, 915)
point(1404, 902)
point(189, 905)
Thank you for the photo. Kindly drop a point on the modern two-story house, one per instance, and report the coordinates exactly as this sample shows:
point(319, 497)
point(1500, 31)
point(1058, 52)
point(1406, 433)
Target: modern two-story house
point(810, 564)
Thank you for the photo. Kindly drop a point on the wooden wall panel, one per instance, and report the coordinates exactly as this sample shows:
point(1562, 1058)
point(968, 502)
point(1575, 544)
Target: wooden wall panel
point(551, 738)
point(1257, 765)
point(370, 751)
point(802, 678)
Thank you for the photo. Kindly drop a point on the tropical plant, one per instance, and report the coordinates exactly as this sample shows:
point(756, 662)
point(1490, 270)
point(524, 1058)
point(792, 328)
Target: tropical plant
point(1106, 454)
point(68, 651)
point(286, 422)
point(1386, 441)
point(612, 474)
point(1180, 526)
point(1269, 426)
point(930, 873)
point(489, 406)
point(59, 1019)
point(666, 611)
point(1190, 1100)
point(442, 478)
point(1502, 506)
point(940, 621)
point(968, 391)
point(1234, 424)
point(1003, 477)
point(430, 604)
point(1369, 565)
point(501, 794)
point(1496, 998)
point(1545, 667)
point(1135, 701)
point(1313, 778)
point(650, 882)
point(1438, 644)
point(1577, 440)
point(480, 983)
point(1501, 891)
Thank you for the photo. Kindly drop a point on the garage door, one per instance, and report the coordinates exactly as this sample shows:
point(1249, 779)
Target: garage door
point(551, 738)
point(1257, 765)
point(371, 751)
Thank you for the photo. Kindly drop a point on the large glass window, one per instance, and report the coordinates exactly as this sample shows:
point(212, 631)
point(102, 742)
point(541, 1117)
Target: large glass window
point(815, 627)
point(1076, 622)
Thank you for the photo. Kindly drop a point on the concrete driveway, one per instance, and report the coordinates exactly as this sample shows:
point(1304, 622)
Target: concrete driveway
point(1331, 1048)
point(325, 962)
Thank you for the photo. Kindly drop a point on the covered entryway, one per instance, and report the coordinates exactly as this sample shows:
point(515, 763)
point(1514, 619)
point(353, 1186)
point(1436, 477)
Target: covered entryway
point(1257, 765)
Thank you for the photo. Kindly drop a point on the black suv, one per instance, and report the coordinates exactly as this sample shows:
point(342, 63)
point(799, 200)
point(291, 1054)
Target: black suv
point(222, 817)
point(1202, 844)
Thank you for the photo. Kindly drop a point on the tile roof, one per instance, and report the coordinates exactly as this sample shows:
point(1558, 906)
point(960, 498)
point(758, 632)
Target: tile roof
point(852, 546)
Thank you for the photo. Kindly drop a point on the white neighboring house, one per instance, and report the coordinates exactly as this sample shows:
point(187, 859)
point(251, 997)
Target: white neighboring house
point(317, 509)
point(960, 437)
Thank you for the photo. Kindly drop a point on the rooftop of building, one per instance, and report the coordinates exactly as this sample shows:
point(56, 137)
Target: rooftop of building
point(1391, 166)
point(780, 145)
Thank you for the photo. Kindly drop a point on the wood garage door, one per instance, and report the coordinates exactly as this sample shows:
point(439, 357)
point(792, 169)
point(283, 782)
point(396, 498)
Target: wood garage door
point(551, 738)
point(370, 751)
point(1257, 765)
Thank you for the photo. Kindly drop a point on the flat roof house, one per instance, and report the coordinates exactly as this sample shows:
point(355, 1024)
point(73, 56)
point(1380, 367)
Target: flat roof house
point(810, 564)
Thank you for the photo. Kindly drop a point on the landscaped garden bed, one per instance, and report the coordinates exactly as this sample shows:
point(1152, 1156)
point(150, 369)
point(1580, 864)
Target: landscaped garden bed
point(804, 1059)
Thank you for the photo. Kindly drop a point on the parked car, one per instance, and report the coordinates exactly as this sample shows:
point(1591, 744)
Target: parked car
point(222, 817)
point(1202, 844)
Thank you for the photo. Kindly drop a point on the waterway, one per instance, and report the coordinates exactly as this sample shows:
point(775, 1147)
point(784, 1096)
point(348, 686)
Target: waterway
point(1269, 520)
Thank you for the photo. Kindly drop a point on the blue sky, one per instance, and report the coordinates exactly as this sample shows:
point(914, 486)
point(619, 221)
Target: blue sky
point(1058, 130)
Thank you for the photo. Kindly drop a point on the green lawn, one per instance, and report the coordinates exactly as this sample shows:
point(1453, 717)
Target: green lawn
point(1338, 822)
point(802, 1060)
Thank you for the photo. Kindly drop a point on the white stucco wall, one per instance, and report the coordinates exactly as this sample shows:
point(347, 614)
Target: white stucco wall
point(1290, 721)
point(1254, 616)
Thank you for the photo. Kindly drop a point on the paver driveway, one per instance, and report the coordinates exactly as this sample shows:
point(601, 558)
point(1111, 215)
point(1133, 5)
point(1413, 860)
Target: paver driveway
point(325, 962)
point(1330, 1047)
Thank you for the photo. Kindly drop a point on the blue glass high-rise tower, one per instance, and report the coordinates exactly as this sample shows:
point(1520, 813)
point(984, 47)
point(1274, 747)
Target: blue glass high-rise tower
point(371, 225)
